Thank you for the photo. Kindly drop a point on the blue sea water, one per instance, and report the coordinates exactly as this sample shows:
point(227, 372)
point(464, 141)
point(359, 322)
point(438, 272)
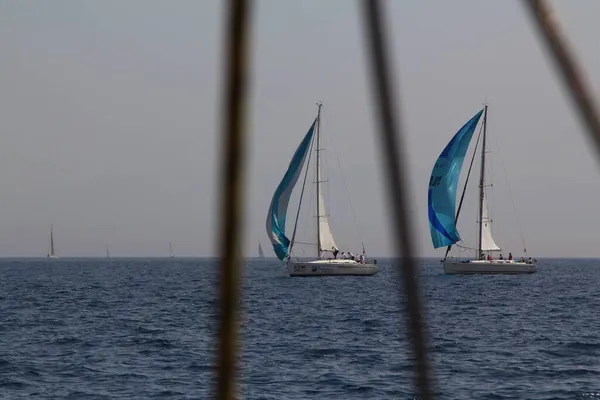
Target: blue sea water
point(143, 329)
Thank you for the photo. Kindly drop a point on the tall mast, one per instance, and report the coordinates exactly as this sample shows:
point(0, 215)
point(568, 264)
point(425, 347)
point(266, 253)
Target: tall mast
point(318, 180)
point(482, 184)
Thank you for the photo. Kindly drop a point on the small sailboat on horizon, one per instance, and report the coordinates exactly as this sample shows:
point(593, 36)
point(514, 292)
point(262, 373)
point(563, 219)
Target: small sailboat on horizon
point(260, 252)
point(171, 254)
point(443, 218)
point(325, 243)
point(51, 253)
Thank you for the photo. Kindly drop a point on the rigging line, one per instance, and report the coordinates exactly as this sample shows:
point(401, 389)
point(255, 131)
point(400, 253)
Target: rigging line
point(460, 246)
point(462, 196)
point(311, 196)
point(232, 174)
point(516, 215)
point(391, 146)
point(306, 243)
point(356, 225)
point(567, 66)
point(490, 173)
point(324, 166)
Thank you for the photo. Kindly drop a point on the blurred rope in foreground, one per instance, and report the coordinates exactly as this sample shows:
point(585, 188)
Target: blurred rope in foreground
point(232, 179)
point(564, 60)
point(398, 188)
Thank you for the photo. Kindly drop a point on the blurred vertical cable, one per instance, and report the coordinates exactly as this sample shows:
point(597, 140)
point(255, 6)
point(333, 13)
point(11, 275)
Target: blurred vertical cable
point(233, 158)
point(564, 60)
point(398, 187)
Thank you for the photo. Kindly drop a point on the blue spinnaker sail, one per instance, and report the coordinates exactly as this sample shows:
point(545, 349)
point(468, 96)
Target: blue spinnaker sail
point(281, 198)
point(443, 183)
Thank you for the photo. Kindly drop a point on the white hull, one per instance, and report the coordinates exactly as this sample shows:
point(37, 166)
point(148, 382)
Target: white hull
point(331, 267)
point(489, 267)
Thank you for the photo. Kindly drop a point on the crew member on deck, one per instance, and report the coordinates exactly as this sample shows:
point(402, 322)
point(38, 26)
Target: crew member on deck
point(335, 252)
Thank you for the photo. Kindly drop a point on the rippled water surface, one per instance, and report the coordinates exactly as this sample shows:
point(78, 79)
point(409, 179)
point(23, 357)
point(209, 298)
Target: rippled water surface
point(128, 329)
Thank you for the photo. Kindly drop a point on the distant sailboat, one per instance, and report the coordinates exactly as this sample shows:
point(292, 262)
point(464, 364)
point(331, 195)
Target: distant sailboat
point(171, 254)
point(324, 240)
point(442, 203)
point(107, 253)
point(51, 253)
point(260, 252)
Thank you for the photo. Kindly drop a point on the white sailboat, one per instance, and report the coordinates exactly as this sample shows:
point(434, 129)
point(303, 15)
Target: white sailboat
point(326, 261)
point(171, 254)
point(107, 253)
point(51, 253)
point(441, 205)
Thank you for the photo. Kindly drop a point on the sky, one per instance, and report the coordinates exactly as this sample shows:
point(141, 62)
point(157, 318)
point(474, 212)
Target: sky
point(109, 122)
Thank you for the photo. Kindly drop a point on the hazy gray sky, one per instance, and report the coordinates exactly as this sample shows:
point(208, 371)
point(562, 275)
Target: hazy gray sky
point(109, 113)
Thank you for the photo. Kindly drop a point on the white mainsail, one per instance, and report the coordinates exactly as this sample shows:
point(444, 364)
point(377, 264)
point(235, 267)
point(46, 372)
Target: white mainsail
point(487, 240)
point(326, 240)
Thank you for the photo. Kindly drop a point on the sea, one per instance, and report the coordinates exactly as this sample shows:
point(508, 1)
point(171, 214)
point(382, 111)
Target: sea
point(145, 329)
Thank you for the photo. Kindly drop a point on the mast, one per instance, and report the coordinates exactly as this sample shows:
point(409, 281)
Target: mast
point(318, 180)
point(482, 184)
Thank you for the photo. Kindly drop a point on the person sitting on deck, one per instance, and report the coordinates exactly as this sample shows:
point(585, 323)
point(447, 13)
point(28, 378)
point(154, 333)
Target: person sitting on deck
point(335, 252)
point(350, 255)
point(501, 257)
point(510, 256)
point(344, 256)
point(489, 257)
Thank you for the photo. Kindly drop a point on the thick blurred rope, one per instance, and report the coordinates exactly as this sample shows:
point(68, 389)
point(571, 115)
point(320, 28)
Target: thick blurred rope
point(567, 66)
point(391, 146)
point(232, 178)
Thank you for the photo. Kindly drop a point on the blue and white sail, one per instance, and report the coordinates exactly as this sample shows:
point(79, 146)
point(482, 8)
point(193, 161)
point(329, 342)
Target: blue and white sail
point(281, 198)
point(443, 184)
